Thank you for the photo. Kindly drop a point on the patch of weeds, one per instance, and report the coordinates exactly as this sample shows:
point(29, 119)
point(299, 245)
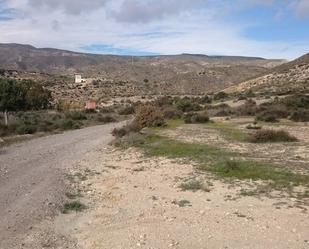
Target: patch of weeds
point(193, 185)
point(217, 161)
point(154, 198)
point(76, 177)
point(245, 192)
point(73, 195)
point(182, 203)
point(160, 146)
point(76, 206)
point(170, 124)
point(139, 169)
point(229, 131)
point(130, 140)
point(259, 171)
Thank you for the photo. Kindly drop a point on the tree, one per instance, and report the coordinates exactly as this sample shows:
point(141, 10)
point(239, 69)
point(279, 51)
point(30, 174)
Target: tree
point(36, 96)
point(12, 97)
point(22, 95)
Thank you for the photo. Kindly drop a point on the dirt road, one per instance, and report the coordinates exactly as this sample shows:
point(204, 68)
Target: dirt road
point(32, 176)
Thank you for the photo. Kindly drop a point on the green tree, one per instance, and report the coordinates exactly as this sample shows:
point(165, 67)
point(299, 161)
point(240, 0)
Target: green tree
point(36, 96)
point(22, 95)
point(12, 97)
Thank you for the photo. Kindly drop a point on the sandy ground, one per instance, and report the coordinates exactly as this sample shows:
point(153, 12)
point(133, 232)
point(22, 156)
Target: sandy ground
point(135, 202)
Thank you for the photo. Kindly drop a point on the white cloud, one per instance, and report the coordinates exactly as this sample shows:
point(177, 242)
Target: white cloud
point(74, 7)
point(170, 27)
point(302, 8)
point(149, 10)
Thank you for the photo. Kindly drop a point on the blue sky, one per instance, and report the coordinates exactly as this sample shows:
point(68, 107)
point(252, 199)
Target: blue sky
point(264, 28)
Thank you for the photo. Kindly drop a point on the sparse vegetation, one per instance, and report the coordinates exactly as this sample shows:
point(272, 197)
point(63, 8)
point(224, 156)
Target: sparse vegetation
point(259, 171)
point(76, 206)
point(265, 136)
point(147, 116)
point(186, 105)
point(196, 118)
point(182, 203)
point(229, 131)
point(194, 185)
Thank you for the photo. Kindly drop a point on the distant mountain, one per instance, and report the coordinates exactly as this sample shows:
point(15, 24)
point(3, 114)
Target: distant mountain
point(289, 77)
point(166, 74)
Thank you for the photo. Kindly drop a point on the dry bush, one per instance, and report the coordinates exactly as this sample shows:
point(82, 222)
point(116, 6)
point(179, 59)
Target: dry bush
point(147, 116)
point(196, 118)
point(264, 136)
point(171, 112)
point(121, 132)
point(126, 110)
point(248, 108)
point(300, 116)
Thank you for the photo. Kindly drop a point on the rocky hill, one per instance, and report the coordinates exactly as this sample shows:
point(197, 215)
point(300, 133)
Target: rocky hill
point(289, 77)
point(126, 75)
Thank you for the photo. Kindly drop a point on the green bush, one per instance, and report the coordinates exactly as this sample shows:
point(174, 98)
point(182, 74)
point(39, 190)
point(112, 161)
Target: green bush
point(270, 118)
point(171, 112)
point(26, 129)
point(76, 115)
point(196, 118)
point(186, 105)
point(220, 96)
point(69, 124)
point(300, 116)
point(106, 119)
point(127, 110)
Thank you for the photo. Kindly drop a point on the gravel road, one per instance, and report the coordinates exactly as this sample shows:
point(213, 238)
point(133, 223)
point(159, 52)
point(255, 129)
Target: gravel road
point(32, 177)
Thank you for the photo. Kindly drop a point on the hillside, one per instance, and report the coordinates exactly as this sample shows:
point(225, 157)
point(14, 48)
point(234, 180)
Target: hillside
point(289, 77)
point(126, 75)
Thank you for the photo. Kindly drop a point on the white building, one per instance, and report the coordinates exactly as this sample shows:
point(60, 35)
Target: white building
point(78, 78)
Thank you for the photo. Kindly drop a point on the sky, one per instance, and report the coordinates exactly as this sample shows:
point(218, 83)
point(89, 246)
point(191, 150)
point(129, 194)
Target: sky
point(262, 28)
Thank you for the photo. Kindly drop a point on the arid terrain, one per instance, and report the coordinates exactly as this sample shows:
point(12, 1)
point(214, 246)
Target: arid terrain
point(129, 76)
point(186, 151)
point(135, 201)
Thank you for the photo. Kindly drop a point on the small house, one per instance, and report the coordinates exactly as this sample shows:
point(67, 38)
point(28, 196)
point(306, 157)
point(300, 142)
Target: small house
point(91, 105)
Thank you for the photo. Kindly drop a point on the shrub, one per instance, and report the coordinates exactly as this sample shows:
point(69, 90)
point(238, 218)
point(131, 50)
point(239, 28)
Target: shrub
point(76, 115)
point(121, 132)
point(127, 110)
point(164, 101)
point(296, 101)
point(106, 119)
point(185, 105)
point(26, 129)
point(300, 116)
point(172, 113)
point(68, 124)
point(196, 118)
point(220, 96)
point(264, 136)
point(221, 110)
point(248, 108)
point(267, 117)
point(147, 116)
point(129, 140)
point(205, 100)
point(106, 109)
point(76, 206)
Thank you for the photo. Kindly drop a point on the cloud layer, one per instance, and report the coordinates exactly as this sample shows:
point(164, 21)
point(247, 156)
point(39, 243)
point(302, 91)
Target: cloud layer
point(153, 26)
